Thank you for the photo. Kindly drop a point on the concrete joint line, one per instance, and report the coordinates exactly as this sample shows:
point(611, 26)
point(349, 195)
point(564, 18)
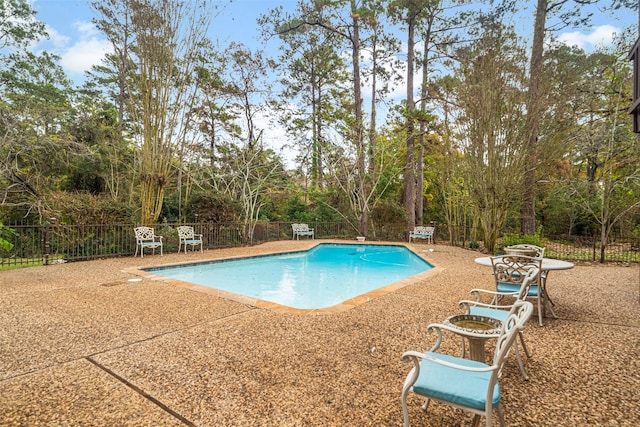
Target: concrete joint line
point(142, 393)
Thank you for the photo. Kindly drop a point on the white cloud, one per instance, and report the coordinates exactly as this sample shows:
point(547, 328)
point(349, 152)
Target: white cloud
point(57, 40)
point(83, 54)
point(86, 51)
point(602, 35)
point(77, 52)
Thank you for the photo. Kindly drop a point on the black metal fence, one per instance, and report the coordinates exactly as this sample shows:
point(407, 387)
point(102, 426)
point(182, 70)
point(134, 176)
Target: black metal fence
point(22, 245)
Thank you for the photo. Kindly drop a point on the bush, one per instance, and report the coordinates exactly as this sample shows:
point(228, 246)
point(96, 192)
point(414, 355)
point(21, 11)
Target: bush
point(522, 239)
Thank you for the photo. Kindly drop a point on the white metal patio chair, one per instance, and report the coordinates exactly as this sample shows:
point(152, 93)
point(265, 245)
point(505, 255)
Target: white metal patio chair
point(501, 312)
point(146, 238)
point(422, 232)
point(187, 236)
point(536, 252)
point(526, 249)
point(462, 383)
point(302, 230)
point(509, 272)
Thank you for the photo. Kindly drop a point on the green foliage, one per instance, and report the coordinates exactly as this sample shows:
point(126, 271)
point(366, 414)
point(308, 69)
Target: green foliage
point(5, 245)
point(213, 207)
point(523, 239)
point(85, 208)
point(388, 212)
point(328, 206)
point(18, 26)
point(296, 210)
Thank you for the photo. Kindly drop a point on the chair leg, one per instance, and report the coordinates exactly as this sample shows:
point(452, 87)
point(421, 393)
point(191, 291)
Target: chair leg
point(500, 415)
point(405, 411)
point(548, 303)
point(476, 420)
point(540, 305)
point(524, 346)
point(520, 364)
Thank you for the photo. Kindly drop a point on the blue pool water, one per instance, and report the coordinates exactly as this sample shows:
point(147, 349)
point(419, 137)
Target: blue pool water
point(324, 276)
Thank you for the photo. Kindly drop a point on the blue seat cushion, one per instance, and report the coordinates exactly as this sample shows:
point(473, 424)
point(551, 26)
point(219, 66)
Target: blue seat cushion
point(494, 313)
point(149, 243)
point(509, 287)
point(464, 388)
point(192, 241)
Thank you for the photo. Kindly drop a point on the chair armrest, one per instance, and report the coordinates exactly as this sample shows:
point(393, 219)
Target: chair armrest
point(468, 303)
point(478, 293)
point(416, 356)
point(438, 327)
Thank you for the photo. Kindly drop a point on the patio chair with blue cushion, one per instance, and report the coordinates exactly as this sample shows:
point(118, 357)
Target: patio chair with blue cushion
point(462, 383)
point(501, 312)
point(509, 272)
point(525, 249)
point(533, 251)
point(187, 236)
point(146, 238)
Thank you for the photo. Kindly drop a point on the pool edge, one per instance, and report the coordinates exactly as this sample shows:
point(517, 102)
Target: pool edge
point(278, 308)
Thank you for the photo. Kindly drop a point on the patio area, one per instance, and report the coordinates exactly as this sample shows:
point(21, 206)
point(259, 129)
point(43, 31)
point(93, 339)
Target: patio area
point(82, 345)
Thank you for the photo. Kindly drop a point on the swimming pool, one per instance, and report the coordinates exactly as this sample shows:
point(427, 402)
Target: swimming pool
point(323, 276)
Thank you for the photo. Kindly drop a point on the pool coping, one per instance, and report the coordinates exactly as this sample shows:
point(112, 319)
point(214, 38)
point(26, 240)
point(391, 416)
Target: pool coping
point(283, 309)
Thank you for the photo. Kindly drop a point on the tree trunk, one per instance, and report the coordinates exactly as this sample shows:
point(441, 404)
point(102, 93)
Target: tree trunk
point(358, 133)
point(409, 176)
point(528, 210)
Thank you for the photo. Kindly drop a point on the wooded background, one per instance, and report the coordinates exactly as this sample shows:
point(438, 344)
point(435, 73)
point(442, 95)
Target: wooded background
point(504, 133)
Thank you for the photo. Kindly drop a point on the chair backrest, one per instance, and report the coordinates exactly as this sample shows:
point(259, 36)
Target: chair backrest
point(185, 232)
point(531, 278)
point(300, 227)
point(518, 316)
point(144, 233)
point(423, 230)
point(537, 251)
point(517, 270)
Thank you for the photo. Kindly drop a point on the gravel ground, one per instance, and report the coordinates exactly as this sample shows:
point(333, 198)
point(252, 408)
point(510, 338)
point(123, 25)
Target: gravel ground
point(81, 345)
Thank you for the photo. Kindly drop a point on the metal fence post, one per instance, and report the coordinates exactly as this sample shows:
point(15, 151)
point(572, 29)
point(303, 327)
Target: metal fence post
point(47, 245)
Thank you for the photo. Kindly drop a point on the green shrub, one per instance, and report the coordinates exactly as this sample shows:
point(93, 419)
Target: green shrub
point(522, 239)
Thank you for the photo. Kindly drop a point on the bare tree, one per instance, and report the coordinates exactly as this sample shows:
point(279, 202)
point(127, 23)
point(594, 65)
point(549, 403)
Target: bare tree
point(489, 127)
point(167, 37)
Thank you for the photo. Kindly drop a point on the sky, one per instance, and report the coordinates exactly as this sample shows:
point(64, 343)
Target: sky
point(74, 38)
point(79, 45)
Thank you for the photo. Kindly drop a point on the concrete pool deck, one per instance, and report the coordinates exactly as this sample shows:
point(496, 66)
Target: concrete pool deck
point(80, 344)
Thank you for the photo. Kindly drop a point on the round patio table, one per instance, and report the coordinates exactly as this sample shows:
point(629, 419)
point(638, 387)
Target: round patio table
point(548, 265)
point(476, 329)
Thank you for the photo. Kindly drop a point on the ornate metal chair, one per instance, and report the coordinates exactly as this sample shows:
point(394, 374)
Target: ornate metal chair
point(509, 272)
point(187, 236)
point(534, 251)
point(501, 312)
point(526, 250)
point(302, 230)
point(422, 232)
point(146, 238)
point(462, 383)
